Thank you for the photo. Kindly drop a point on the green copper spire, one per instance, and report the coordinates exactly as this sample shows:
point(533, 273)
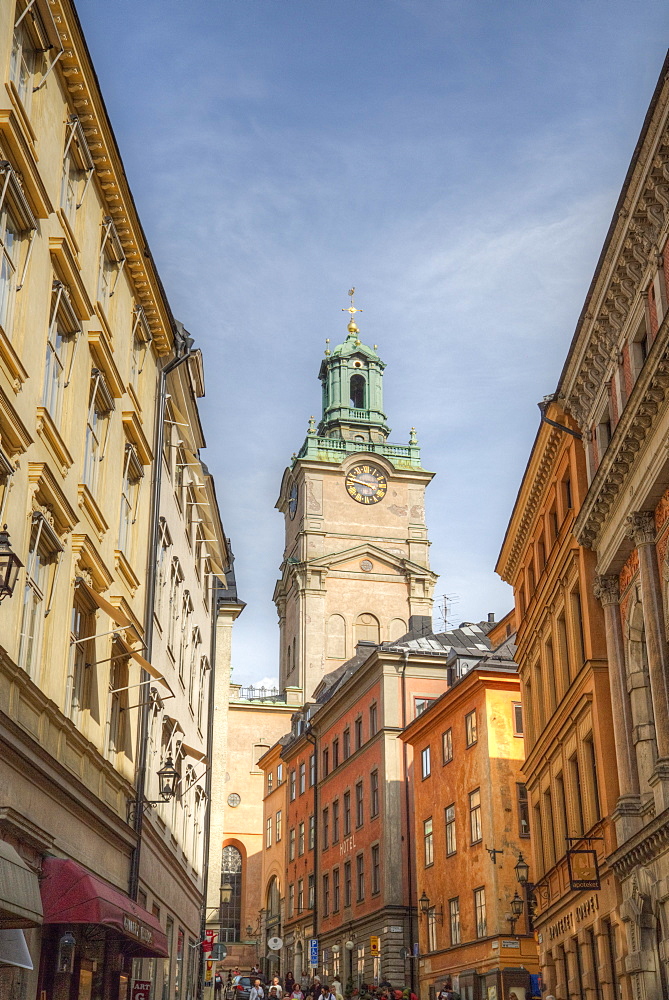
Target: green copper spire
point(352, 379)
point(353, 420)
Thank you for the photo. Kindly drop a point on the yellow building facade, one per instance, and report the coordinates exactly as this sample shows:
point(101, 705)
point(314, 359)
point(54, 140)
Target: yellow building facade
point(106, 643)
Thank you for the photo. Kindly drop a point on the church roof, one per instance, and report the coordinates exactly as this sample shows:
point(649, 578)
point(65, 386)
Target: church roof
point(353, 345)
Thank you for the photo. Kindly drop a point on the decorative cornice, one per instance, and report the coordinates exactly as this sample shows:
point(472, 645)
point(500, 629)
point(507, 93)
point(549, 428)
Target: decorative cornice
point(636, 422)
point(538, 488)
point(642, 849)
point(607, 590)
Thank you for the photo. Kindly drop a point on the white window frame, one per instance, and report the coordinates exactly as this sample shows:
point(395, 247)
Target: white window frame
point(97, 428)
point(16, 217)
point(78, 168)
point(133, 473)
point(44, 559)
point(425, 764)
point(111, 262)
point(42, 33)
point(61, 346)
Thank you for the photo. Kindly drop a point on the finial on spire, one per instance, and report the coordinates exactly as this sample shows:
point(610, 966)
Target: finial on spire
point(412, 436)
point(327, 348)
point(352, 326)
point(312, 425)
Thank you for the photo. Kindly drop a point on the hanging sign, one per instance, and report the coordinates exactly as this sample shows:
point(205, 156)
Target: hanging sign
point(583, 869)
point(313, 952)
point(141, 989)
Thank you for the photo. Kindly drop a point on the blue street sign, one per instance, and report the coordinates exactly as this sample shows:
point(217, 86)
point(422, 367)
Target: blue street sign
point(313, 952)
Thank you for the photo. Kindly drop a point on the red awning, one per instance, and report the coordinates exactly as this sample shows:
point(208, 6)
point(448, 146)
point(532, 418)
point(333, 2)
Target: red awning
point(71, 895)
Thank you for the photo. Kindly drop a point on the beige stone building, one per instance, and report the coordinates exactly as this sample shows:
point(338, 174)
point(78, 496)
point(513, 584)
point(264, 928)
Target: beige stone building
point(104, 677)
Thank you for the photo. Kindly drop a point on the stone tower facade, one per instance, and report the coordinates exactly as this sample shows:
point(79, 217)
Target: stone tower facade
point(356, 558)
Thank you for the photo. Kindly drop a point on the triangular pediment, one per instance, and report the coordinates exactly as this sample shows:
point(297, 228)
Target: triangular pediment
point(382, 561)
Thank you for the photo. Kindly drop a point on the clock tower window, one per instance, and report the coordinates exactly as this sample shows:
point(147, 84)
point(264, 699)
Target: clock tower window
point(357, 392)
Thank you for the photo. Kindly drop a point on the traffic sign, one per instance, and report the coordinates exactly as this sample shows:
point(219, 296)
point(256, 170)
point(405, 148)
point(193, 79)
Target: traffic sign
point(313, 952)
point(373, 945)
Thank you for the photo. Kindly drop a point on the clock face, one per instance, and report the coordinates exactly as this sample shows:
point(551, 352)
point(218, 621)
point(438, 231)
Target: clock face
point(366, 484)
point(292, 501)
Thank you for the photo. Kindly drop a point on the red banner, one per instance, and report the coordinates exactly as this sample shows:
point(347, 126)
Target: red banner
point(208, 942)
point(141, 989)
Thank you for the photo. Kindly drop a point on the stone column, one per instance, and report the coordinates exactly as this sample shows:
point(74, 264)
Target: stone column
point(626, 818)
point(642, 530)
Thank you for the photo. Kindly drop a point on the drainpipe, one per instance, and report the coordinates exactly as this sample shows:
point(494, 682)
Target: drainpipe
point(313, 739)
point(184, 344)
point(409, 828)
point(208, 779)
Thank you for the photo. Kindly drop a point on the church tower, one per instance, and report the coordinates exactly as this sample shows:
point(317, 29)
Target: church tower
point(356, 563)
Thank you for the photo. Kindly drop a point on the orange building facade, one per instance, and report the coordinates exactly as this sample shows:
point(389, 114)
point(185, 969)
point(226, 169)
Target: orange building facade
point(299, 760)
point(570, 770)
point(470, 824)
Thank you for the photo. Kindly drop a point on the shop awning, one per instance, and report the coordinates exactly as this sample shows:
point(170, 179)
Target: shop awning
point(20, 903)
point(114, 613)
point(72, 895)
point(13, 949)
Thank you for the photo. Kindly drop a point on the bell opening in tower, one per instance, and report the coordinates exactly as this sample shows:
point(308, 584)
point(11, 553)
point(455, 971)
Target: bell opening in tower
point(357, 392)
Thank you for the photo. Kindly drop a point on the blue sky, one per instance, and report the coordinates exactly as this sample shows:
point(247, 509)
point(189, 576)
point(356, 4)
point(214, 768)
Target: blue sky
point(457, 161)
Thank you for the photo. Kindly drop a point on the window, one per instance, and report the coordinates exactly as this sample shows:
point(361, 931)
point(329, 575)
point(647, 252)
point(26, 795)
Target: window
point(347, 884)
point(374, 790)
point(367, 628)
point(360, 876)
point(23, 61)
point(279, 773)
point(335, 753)
point(359, 811)
point(372, 719)
point(293, 785)
point(347, 813)
point(517, 719)
point(82, 654)
point(425, 762)
point(231, 913)
point(347, 743)
point(61, 338)
point(300, 895)
point(358, 733)
point(428, 842)
point(268, 832)
point(335, 821)
point(311, 892)
point(376, 869)
point(291, 900)
point(300, 839)
point(291, 844)
point(278, 826)
point(312, 832)
point(475, 815)
point(111, 260)
point(78, 167)
point(133, 473)
point(141, 338)
point(326, 895)
point(591, 773)
point(480, 912)
point(43, 555)
point(432, 928)
point(270, 779)
point(447, 746)
point(118, 701)
point(470, 728)
point(326, 829)
point(17, 230)
point(357, 394)
point(420, 704)
point(335, 890)
point(577, 793)
point(523, 810)
point(312, 770)
point(101, 404)
point(449, 815)
point(454, 915)
point(326, 763)
point(303, 778)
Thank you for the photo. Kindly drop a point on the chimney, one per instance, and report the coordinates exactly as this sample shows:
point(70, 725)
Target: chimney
point(491, 617)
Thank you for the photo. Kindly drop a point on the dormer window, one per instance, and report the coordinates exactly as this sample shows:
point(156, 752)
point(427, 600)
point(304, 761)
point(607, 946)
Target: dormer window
point(357, 401)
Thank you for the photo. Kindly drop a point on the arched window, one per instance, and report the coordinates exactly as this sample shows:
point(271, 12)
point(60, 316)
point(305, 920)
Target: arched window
point(273, 903)
point(289, 666)
point(367, 628)
point(336, 637)
point(357, 392)
point(231, 894)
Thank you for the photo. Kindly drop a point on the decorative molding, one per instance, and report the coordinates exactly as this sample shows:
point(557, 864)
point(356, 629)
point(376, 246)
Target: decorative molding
point(91, 509)
point(21, 153)
point(14, 435)
point(88, 558)
point(134, 433)
point(50, 434)
point(11, 362)
point(641, 527)
point(607, 590)
point(47, 490)
point(102, 352)
point(66, 267)
point(629, 570)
